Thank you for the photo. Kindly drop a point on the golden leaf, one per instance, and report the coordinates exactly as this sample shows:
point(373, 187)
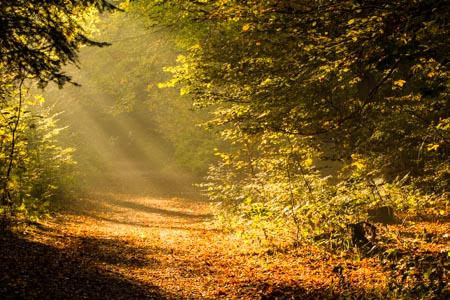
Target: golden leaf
point(400, 82)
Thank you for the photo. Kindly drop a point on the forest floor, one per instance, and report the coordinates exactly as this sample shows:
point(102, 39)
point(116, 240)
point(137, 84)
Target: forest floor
point(129, 246)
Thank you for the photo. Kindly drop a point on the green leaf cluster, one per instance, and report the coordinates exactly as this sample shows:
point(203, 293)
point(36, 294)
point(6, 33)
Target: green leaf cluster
point(34, 169)
point(362, 86)
point(37, 39)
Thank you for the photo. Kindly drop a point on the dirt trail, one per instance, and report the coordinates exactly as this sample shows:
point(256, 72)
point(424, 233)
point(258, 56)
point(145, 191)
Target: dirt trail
point(125, 243)
point(134, 236)
point(112, 245)
point(121, 241)
point(167, 246)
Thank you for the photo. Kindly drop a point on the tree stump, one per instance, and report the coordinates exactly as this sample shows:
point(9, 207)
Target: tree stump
point(363, 234)
point(382, 214)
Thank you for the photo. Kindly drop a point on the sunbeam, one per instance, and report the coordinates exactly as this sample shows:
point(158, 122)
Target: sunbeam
point(121, 151)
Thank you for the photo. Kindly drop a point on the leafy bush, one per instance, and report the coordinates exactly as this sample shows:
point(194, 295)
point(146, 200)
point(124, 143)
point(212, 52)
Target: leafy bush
point(269, 188)
point(33, 167)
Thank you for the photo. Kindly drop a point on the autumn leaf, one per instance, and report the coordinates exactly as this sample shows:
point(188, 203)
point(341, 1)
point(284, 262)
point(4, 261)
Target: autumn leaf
point(246, 27)
point(432, 147)
point(399, 83)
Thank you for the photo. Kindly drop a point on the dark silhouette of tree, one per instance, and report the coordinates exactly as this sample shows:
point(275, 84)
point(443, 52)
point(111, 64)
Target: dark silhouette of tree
point(37, 38)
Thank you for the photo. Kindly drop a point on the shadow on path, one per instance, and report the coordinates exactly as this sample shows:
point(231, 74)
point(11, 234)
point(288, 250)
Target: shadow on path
point(154, 210)
point(31, 270)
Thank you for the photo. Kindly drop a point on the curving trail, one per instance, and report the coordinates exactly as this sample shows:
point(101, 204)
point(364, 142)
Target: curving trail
point(111, 245)
point(115, 245)
point(168, 247)
point(123, 242)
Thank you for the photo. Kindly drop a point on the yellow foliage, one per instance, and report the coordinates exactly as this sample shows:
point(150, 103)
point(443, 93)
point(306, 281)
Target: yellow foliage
point(308, 162)
point(399, 83)
point(431, 147)
point(246, 27)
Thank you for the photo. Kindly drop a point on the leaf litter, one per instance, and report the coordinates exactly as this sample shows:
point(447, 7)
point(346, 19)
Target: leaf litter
point(119, 246)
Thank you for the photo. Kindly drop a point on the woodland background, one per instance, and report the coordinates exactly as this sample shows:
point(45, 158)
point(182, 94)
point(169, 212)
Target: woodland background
point(305, 123)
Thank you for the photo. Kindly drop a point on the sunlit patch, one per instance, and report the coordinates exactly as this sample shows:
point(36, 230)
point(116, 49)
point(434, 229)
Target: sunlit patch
point(125, 152)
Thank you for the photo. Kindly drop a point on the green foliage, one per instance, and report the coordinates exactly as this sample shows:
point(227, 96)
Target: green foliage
point(38, 38)
point(33, 168)
point(295, 86)
point(421, 276)
point(120, 94)
point(270, 182)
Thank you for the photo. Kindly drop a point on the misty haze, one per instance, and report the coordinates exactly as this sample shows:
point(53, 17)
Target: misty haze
point(220, 149)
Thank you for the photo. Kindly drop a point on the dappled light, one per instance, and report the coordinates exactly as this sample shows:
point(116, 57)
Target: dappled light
point(224, 149)
point(49, 267)
point(124, 151)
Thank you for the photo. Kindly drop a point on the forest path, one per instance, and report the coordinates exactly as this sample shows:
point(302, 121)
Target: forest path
point(112, 245)
point(115, 245)
point(125, 241)
point(169, 247)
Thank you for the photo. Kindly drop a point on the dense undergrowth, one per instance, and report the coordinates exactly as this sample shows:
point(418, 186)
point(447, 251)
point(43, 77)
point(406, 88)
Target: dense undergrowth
point(35, 169)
